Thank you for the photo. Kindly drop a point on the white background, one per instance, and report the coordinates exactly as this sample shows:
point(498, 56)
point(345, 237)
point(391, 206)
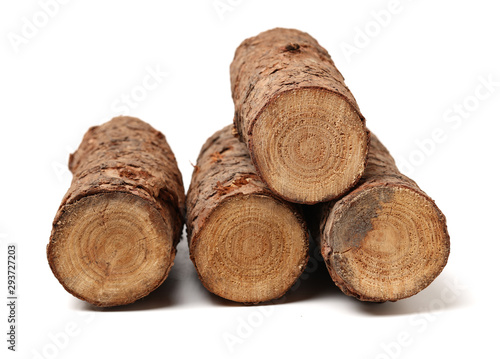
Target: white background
point(418, 78)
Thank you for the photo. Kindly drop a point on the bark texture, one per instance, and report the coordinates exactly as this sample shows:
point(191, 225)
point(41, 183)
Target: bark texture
point(385, 240)
point(115, 233)
point(303, 128)
point(247, 244)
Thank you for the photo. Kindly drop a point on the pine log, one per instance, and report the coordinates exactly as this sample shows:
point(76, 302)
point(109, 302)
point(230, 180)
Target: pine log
point(385, 240)
point(247, 245)
point(114, 236)
point(305, 133)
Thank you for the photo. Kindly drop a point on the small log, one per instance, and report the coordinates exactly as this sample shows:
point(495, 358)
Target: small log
point(247, 245)
point(301, 124)
point(114, 236)
point(385, 240)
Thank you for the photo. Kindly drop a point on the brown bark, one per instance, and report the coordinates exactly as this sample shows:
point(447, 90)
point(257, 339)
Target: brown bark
point(114, 236)
point(301, 124)
point(385, 240)
point(247, 244)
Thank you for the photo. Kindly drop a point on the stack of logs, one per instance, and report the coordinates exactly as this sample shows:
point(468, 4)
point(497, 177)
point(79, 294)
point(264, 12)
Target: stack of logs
point(298, 158)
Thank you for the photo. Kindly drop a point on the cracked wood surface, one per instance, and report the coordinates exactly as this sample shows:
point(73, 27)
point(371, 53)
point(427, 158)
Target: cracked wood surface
point(247, 244)
point(386, 239)
point(303, 128)
point(114, 235)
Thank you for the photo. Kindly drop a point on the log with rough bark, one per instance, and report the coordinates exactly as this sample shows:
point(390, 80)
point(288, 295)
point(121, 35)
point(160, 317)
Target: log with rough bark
point(385, 240)
point(301, 124)
point(247, 245)
point(114, 236)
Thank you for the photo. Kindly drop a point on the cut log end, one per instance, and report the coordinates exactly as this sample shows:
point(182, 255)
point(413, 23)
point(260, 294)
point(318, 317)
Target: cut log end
point(389, 244)
point(252, 249)
point(309, 145)
point(110, 248)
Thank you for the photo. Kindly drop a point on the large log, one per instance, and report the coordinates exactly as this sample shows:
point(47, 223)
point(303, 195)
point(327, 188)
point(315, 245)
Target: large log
point(114, 236)
point(247, 244)
point(301, 124)
point(386, 239)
